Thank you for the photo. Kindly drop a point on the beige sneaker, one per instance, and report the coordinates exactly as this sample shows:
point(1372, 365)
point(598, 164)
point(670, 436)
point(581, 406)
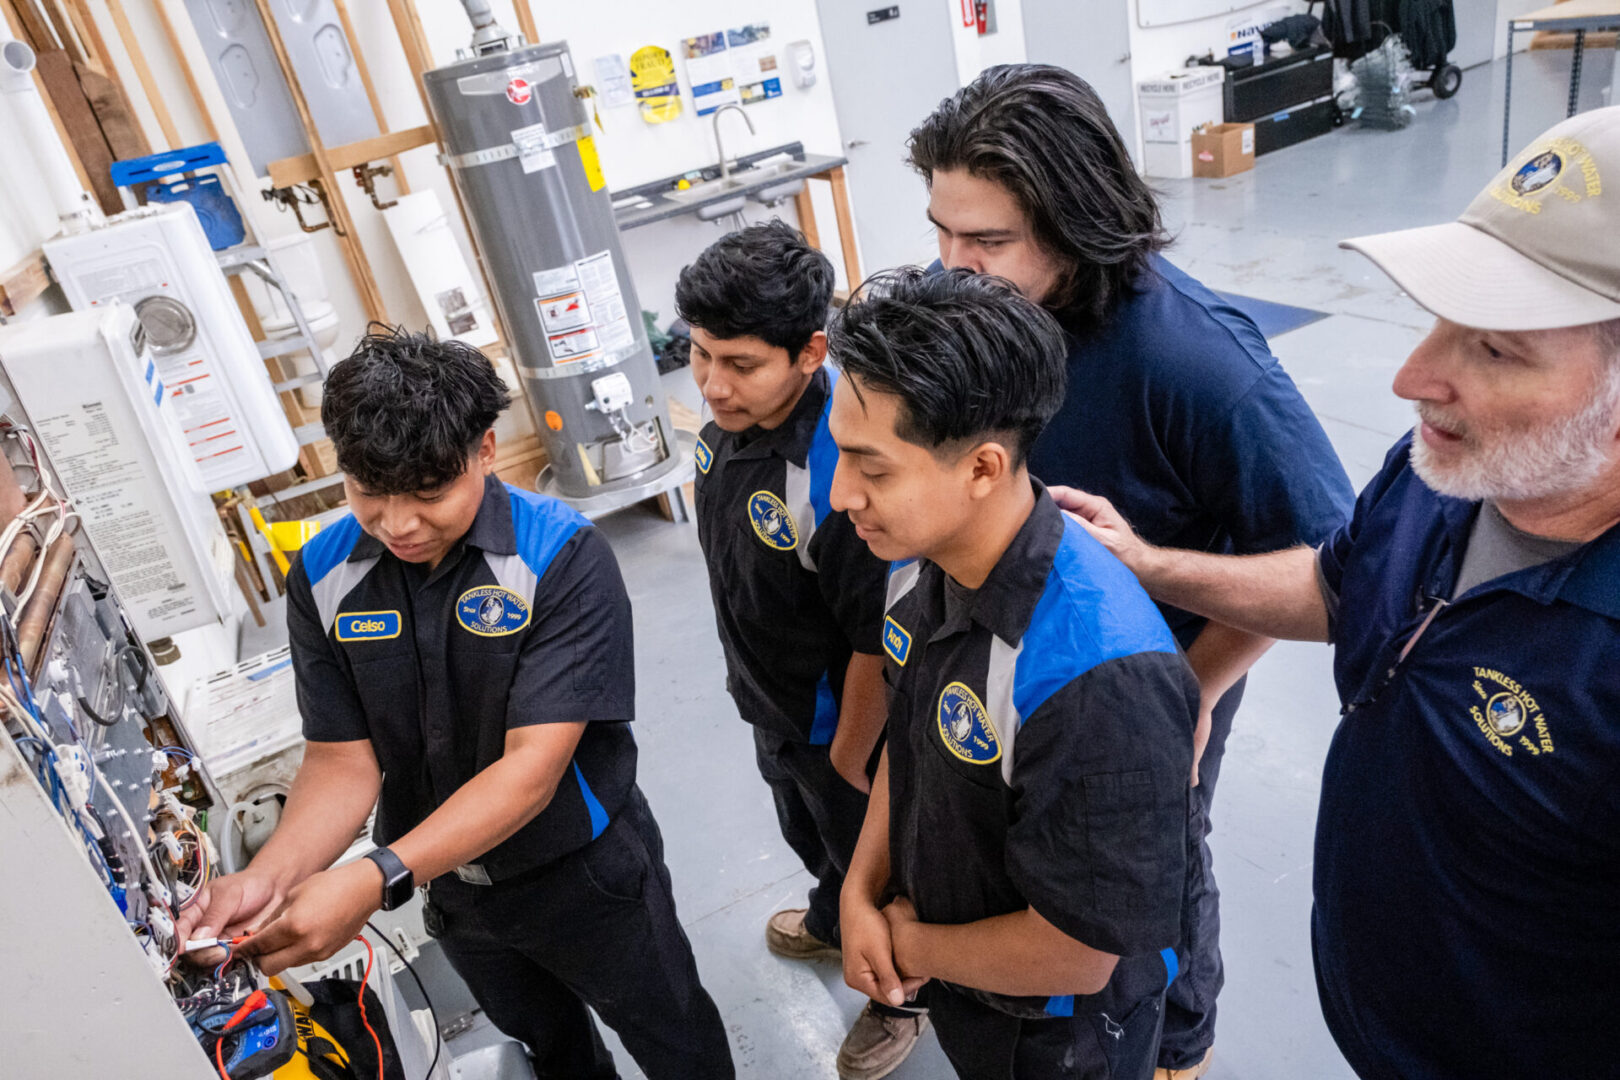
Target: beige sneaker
point(1191, 1072)
point(785, 935)
point(877, 1044)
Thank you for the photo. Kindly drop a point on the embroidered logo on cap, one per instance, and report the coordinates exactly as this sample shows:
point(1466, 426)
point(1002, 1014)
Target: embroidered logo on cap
point(965, 727)
point(772, 522)
point(367, 625)
point(1561, 167)
point(492, 611)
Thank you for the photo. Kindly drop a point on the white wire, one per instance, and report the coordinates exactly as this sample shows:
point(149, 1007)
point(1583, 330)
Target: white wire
point(135, 834)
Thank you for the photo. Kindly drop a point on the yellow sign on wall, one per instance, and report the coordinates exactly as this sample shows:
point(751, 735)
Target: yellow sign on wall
point(652, 77)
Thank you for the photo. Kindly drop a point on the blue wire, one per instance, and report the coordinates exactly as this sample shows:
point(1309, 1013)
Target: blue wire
point(221, 969)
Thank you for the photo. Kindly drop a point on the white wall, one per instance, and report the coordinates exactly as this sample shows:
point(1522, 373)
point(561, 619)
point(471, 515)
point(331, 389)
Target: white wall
point(632, 151)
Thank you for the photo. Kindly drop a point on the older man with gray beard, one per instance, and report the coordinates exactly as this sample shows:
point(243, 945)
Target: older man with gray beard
point(1467, 874)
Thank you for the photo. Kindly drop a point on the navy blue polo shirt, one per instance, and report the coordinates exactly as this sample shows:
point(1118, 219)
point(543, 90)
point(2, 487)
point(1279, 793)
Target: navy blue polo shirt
point(796, 591)
point(1040, 740)
point(524, 621)
point(1179, 415)
point(1467, 878)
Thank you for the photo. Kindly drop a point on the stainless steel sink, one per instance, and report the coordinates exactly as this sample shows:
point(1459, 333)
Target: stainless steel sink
point(711, 189)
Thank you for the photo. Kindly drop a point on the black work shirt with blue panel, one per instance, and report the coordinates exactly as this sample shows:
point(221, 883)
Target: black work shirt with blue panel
point(1040, 745)
point(1467, 873)
point(524, 621)
point(796, 591)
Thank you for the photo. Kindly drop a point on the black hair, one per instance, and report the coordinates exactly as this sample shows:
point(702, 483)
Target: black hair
point(968, 356)
point(765, 281)
point(1042, 133)
point(405, 411)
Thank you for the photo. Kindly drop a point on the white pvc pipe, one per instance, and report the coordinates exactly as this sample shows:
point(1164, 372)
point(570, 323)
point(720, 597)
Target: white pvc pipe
point(73, 204)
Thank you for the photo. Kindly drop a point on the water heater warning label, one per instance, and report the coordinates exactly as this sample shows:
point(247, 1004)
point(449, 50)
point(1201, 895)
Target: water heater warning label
point(582, 310)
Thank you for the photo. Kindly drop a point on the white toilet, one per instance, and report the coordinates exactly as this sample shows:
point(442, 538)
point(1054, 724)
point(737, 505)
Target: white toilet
point(294, 257)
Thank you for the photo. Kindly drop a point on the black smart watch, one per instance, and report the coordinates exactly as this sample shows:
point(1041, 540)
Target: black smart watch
point(398, 881)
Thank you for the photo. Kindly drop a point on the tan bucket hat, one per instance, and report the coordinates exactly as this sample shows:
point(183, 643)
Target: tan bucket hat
point(1538, 249)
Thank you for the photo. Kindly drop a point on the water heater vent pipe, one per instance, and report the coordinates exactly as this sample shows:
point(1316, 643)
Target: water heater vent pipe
point(73, 204)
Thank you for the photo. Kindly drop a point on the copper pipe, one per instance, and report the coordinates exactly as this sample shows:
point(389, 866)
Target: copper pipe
point(36, 617)
point(19, 559)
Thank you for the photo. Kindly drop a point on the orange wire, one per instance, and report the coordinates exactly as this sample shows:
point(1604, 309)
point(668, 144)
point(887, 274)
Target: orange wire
point(370, 956)
point(219, 1058)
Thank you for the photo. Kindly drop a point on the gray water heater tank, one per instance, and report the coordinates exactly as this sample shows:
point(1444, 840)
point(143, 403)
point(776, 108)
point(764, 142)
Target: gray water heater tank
point(518, 142)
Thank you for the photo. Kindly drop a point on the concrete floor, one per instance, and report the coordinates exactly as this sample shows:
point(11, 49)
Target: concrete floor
point(1272, 234)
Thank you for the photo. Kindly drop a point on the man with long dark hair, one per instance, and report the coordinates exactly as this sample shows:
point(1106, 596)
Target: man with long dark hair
point(1176, 409)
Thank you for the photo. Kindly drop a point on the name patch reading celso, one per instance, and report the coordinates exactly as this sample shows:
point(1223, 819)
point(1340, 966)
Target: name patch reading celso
point(367, 625)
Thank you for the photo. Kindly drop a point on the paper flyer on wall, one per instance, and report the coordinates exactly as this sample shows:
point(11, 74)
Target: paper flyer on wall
point(613, 80)
point(709, 70)
point(652, 80)
point(753, 62)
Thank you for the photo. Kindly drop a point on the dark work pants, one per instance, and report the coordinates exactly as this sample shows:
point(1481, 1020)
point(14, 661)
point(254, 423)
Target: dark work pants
point(598, 928)
point(984, 1044)
point(1189, 1014)
point(820, 816)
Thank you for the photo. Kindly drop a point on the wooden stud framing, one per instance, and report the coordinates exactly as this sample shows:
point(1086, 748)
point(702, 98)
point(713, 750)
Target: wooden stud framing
point(31, 25)
point(846, 226)
point(359, 268)
point(419, 57)
point(806, 207)
point(400, 182)
point(64, 32)
point(185, 69)
point(304, 168)
point(137, 58)
point(95, 46)
point(23, 283)
point(525, 18)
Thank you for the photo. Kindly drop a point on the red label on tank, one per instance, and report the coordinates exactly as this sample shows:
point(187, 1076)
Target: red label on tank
point(518, 91)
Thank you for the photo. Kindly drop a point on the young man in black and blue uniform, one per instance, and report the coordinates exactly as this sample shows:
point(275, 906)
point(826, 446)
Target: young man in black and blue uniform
point(1023, 863)
point(1176, 408)
point(797, 596)
point(464, 663)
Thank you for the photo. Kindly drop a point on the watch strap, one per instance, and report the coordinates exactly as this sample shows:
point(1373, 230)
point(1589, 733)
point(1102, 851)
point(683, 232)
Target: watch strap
point(398, 881)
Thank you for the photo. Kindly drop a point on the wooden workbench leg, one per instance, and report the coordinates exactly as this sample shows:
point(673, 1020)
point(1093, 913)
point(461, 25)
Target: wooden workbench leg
point(806, 207)
point(846, 227)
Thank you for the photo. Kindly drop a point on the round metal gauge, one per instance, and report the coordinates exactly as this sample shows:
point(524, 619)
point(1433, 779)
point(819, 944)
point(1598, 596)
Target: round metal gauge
point(169, 324)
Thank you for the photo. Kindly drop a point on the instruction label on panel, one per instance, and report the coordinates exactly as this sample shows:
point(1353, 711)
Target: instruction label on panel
point(118, 502)
point(582, 310)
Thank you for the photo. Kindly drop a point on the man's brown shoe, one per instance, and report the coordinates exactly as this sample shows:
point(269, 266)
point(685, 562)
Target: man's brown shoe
point(1191, 1072)
point(785, 935)
point(877, 1044)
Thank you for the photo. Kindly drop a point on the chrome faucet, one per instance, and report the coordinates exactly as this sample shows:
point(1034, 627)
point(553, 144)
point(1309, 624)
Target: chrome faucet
point(725, 169)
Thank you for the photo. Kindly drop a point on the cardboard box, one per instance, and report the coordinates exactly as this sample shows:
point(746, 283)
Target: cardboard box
point(1223, 149)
